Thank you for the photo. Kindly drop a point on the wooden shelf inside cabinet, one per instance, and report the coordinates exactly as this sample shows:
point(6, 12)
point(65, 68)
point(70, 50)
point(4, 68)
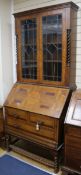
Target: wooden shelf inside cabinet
point(72, 161)
point(44, 38)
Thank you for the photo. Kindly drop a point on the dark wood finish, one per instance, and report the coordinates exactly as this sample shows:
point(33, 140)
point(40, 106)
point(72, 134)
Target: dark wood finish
point(36, 113)
point(65, 10)
point(1, 121)
point(72, 159)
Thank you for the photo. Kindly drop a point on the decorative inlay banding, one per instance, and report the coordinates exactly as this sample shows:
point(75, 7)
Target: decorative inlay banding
point(48, 93)
point(21, 90)
point(44, 106)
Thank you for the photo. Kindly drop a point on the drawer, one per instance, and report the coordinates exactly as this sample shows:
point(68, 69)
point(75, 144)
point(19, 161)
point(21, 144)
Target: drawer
point(73, 158)
point(42, 120)
point(72, 130)
point(73, 142)
point(73, 152)
point(26, 126)
point(16, 113)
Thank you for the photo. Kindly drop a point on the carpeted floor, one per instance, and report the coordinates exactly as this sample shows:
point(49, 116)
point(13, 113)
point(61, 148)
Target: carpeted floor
point(12, 166)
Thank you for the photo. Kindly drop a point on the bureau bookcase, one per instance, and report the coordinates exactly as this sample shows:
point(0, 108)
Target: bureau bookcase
point(37, 104)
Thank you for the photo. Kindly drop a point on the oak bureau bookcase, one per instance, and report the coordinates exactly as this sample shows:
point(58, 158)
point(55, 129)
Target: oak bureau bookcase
point(37, 104)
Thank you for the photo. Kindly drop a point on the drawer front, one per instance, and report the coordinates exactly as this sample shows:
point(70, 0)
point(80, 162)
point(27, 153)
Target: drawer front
point(42, 120)
point(32, 137)
point(16, 113)
point(73, 158)
point(26, 126)
point(73, 142)
point(74, 131)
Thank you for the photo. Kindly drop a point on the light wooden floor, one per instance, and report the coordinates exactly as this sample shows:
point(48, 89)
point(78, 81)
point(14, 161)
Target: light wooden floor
point(29, 161)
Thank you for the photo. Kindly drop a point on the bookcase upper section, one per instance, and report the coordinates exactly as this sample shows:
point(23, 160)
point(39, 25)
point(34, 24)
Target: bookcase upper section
point(44, 44)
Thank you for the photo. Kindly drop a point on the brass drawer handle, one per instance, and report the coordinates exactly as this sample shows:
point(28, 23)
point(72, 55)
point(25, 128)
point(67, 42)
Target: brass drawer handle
point(38, 124)
point(80, 166)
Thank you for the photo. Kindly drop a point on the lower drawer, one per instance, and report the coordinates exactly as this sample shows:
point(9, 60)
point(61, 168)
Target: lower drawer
point(73, 152)
point(46, 142)
point(32, 128)
point(73, 158)
point(73, 142)
point(73, 131)
point(74, 164)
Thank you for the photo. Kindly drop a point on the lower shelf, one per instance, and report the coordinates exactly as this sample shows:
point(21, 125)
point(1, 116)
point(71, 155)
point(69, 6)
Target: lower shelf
point(33, 156)
point(49, 157)
point(33, 151)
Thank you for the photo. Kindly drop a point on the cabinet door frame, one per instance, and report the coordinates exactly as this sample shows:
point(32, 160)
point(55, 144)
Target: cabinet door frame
point(65, 24)
point(64, 49)
point(19, 48)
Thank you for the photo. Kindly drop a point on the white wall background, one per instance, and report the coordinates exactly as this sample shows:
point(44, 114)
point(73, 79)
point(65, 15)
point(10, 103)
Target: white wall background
point(6, 59)
point(22, 5)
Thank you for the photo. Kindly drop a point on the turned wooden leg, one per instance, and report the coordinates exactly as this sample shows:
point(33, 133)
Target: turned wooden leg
point(56, 163)
point(7, 142)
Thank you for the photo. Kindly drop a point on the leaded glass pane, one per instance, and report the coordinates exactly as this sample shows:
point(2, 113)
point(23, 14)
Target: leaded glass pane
point(29, 48)
point(52, 47)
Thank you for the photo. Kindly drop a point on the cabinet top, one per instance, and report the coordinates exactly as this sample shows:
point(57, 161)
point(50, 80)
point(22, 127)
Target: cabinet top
point(73, 116)
point(52, 7)
point(43, 100)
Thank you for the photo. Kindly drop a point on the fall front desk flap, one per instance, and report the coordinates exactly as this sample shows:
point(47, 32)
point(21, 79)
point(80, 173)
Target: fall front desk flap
point(73, 116)
point(39, 99)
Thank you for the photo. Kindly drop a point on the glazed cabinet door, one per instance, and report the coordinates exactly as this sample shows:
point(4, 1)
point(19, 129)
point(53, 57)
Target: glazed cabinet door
point(42, 47)
point(27, 45)
point(53, 52)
